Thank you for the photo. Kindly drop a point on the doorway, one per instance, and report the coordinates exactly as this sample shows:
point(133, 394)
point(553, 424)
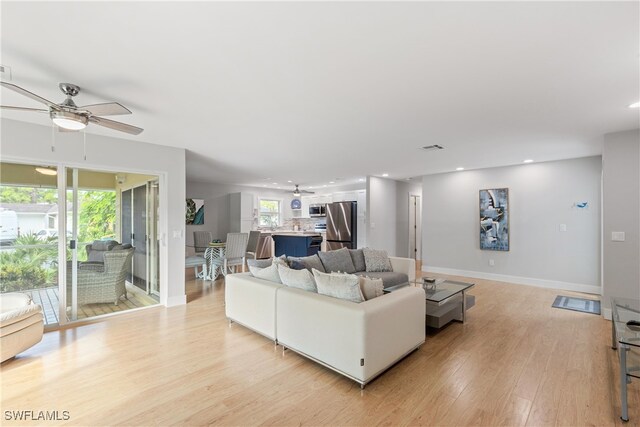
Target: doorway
point(415, 228)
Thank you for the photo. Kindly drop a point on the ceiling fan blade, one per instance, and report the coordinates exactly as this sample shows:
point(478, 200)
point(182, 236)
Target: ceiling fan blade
point(112, 124)
point(38, 110)
point(106, 109)
point(31, 95)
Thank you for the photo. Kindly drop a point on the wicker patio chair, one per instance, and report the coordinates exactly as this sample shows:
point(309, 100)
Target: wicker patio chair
point(99, 283)
point(234, 253)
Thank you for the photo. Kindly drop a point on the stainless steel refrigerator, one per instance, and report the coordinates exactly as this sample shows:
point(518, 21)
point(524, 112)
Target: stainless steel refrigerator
point(342, 220)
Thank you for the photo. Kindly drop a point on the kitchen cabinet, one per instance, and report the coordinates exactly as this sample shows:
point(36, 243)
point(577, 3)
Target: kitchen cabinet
point(241, 212)
point(297, 245)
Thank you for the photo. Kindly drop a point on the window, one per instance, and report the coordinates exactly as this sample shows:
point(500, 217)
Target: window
point(269, 213)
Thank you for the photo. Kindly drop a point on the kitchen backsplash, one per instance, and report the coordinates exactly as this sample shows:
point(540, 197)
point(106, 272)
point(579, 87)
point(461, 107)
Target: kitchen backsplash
point(302, 223)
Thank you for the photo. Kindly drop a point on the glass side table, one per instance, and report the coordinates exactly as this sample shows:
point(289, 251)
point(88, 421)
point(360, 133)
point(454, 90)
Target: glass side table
point(627, 340)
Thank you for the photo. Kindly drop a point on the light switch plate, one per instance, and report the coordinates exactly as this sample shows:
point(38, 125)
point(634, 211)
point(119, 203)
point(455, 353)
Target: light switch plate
point(617, 236)
point(562, 227)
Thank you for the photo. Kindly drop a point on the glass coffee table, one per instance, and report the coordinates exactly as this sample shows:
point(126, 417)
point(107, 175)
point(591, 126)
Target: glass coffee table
point(626, 338)
point(447, 300)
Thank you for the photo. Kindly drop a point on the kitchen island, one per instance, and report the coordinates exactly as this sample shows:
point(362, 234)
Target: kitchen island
point(297, 244)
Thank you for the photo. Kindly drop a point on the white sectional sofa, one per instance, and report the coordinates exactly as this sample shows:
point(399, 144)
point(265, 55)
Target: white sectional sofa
point(358, 340)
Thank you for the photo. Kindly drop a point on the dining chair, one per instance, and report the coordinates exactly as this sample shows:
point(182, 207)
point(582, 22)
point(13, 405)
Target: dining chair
point(201, 240)
point(252, 245)
point(235, 252)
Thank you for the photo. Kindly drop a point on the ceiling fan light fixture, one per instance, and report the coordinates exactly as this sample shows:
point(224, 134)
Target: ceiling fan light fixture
point(46, 171)
point(69, 121)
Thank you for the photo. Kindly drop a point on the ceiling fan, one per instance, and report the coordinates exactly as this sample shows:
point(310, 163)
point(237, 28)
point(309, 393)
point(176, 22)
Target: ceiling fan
point(69, 117)
point(297, 192)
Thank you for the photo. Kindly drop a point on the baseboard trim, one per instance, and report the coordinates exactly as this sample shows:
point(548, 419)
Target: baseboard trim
point(176, 300)
point(541, 283)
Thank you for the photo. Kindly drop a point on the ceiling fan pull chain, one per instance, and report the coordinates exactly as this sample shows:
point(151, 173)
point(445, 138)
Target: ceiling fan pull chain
point(53, 137)
point(84, 138)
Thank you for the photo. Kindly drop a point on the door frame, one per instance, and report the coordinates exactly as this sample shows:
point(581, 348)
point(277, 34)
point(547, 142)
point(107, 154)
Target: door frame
point(415, 200)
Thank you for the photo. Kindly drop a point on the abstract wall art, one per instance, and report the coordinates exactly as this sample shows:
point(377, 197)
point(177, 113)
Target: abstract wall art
point(494, 219)
point(195, 211)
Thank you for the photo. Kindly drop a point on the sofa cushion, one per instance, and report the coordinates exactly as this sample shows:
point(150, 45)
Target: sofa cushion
point(123, 246)
point(309, 262)
point(260, 263)
point(339, 285)
point(357, 256)
point(301, 279)
point(103, 245)
point(376, 260)
point(389, 278)
point(268, 273)
point(371, 288)
point(338, 260)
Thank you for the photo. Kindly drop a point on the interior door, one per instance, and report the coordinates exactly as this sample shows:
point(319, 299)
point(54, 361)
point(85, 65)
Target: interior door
point(153, 243)
point(126, 223)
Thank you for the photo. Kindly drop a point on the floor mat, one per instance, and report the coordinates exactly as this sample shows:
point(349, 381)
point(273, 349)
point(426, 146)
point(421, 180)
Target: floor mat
point(577, 304)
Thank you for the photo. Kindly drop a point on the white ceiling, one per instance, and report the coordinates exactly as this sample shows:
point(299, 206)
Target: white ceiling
point(311, 92)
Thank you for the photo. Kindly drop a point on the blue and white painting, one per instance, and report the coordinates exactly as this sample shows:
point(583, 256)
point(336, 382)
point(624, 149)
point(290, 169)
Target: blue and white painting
point(494, 219)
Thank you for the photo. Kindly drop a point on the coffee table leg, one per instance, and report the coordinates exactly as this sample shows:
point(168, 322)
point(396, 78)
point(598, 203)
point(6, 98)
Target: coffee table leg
point(622, 351)
point(464, 306)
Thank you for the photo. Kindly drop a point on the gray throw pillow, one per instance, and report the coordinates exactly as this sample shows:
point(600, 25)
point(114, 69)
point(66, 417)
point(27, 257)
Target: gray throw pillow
point(338, 285)
point(376, 260)
point(309, 262)
point(260, 263)
point(300, 279)
point(339, 260)
point(357, 256)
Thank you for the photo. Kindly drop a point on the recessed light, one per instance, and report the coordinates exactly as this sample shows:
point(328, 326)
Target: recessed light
point(331, 182)
point(289, 181)
point(310, 186)
point(635, 105)
point(460, 169)
point(47, 171)
point(361, 180)
point(274, 183)
point(528, 161)
point(385, 175)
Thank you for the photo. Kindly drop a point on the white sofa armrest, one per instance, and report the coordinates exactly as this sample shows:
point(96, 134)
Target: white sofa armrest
point(395, 325)
point(252, 303)
point(404, 265)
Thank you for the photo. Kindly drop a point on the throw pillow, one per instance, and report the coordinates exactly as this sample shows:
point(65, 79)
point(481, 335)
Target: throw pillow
point(343, 286)
point(297, 264)
point(300, 279)
point(376, 260)
point(371, 288)
point(260, 263)
point(357, 256)
point(269, 273)
point(338, 260)
point(281, 260)
point(310, 262)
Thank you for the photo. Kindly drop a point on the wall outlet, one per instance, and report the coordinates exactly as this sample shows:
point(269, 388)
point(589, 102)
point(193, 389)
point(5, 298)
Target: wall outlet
point(562, 227)
point(617, 236)
point(492, 262)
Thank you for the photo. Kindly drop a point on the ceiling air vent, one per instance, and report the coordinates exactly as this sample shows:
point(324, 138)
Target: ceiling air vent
point(433, 147)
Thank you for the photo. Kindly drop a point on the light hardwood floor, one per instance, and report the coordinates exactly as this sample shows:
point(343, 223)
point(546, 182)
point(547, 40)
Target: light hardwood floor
point(517, 361)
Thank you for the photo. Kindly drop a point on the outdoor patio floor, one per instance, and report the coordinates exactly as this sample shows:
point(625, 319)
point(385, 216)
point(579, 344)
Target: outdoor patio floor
point(48, 299)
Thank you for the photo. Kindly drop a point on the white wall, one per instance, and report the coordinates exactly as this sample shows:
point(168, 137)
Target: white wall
point(541, 197)
point(381, 214)
point(32, 144)
point(621, 212)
